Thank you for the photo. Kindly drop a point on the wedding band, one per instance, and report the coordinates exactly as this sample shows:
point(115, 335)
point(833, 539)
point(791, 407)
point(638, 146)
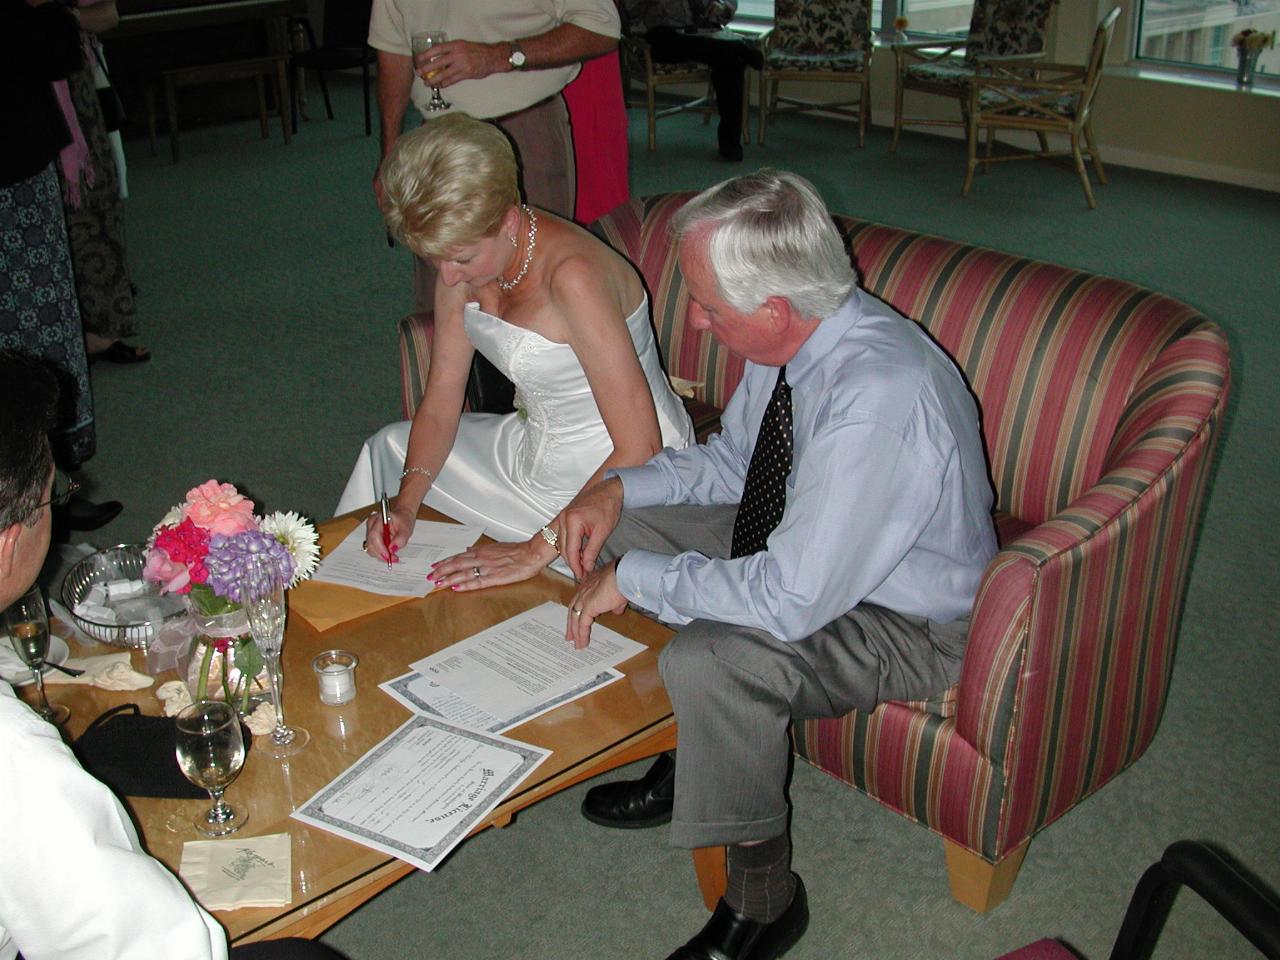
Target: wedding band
point(577, 611)
point(476, 571)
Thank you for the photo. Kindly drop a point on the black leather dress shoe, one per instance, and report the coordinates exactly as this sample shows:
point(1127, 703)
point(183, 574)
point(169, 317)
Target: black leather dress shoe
point(83, 514)
point(729, 935)
point(631, 804)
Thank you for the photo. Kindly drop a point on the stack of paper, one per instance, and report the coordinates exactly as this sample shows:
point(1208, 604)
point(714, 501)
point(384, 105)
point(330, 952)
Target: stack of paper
point(512, 672)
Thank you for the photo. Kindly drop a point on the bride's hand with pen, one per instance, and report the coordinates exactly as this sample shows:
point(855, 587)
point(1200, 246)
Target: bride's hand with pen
point(402, 523)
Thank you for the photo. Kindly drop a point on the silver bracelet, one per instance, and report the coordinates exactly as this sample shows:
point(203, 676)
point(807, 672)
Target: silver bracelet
point(551, 537)
point(422, 470)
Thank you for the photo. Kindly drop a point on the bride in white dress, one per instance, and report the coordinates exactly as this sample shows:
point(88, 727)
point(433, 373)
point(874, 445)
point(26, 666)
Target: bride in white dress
point(563, 315)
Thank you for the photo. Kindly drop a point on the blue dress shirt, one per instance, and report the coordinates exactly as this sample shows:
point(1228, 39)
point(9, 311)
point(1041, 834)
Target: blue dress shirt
point(888, 500)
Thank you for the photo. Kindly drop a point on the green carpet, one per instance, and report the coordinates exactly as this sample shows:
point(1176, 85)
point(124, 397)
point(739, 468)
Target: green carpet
point(269, 300)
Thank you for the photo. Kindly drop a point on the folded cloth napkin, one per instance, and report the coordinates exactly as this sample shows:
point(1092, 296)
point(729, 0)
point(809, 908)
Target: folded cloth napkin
point(241, 872)
point(111, 671)
point(177, 698)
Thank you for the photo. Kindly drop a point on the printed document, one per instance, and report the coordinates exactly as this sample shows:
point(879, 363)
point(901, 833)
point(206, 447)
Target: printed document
point(516, 667)
point(419, 792)
point(424, 695)
point(348, 564)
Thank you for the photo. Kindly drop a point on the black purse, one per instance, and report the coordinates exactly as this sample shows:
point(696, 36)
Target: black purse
point(135, 756)
point(113, 115)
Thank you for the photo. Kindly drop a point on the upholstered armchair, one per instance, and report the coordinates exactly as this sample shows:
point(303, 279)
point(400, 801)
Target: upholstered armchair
point(818, 40)
point(1000, 32)
point(1101, 406)
point(1044, 98)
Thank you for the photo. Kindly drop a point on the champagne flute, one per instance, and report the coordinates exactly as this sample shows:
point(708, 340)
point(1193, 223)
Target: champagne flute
point(28, 625)
point(210, 749)
point(421, 43)
point(262, 592)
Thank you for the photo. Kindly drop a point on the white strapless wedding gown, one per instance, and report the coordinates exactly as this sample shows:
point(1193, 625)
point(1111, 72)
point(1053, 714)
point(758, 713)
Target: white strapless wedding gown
point(511, 473)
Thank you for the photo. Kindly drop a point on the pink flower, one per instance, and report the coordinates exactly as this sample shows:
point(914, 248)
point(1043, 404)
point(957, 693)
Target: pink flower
point(218, 508)
point(172, 576)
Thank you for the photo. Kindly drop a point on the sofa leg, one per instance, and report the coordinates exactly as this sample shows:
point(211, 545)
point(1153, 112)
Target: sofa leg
point(980, 885)
point(709, 863)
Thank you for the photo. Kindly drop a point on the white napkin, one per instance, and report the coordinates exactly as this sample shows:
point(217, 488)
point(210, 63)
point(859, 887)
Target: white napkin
point(244, 872)
point(682, 387)
point(111, 671)
point(177, 698)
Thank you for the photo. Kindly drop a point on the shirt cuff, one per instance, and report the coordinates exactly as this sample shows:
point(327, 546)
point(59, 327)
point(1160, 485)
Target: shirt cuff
point(638, 575)
point(642, 486)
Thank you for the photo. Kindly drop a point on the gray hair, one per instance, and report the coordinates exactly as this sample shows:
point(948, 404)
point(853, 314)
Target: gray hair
point(771, 236)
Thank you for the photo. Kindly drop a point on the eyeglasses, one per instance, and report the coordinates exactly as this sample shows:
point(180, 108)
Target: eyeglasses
point(63, 488)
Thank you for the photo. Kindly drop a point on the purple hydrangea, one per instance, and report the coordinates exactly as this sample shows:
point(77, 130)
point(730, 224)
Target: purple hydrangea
point(229, 557)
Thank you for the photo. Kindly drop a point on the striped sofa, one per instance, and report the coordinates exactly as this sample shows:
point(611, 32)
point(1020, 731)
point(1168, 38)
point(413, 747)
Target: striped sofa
point(1101, 404)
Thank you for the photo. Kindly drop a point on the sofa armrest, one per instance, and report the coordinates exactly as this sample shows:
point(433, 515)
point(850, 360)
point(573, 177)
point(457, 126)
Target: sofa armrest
point(415, 330)
point(1073, 632)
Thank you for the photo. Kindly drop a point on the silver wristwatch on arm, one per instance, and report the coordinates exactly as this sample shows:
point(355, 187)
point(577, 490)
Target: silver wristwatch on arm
point(516, 56)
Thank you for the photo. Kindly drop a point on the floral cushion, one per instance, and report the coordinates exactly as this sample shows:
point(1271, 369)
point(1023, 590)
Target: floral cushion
point(1064, 105)
point(950, 73)
point(786, 60)
point(689, 66)
point(999, 28)
point(819, 26)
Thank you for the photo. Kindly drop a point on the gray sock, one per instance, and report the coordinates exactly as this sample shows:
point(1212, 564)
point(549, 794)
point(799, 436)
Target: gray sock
point(761, 883)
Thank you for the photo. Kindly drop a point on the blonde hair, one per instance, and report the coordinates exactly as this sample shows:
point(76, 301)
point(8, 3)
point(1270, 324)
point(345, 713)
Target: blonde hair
point(448, 184)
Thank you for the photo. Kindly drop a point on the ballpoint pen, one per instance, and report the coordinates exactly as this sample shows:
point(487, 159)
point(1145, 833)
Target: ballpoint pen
point(386, 527)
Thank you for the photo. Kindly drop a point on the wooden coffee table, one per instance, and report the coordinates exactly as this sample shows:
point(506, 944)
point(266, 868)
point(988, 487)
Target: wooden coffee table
point(624, 722)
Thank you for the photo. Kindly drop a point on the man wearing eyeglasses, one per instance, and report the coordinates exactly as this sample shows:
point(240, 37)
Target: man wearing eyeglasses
point(81, 887)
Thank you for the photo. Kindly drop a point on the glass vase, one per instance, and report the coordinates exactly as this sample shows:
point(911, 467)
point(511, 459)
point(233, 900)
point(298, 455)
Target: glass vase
point(211, 671)
point(1246, 66)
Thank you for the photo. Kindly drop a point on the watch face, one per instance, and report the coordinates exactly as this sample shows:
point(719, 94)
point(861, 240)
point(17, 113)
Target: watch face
point(517, 59)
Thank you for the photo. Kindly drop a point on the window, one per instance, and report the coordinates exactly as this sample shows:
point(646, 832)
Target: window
point(945, 17)
point(1197, 33)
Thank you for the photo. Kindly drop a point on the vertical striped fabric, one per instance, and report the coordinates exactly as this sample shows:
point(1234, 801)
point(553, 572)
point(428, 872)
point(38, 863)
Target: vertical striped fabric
point(1101, 406)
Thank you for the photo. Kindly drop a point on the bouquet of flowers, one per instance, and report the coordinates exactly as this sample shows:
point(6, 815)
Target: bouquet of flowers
point(201, 549)
point(1251, 40)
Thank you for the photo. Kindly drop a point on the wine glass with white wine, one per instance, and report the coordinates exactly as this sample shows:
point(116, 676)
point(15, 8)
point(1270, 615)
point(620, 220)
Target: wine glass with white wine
point(28, 625)
point(262, 593)
point(421, 43)
point(210, 749)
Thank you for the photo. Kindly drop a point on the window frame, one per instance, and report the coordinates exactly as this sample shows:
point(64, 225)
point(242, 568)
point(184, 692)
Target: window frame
point(1189, 69)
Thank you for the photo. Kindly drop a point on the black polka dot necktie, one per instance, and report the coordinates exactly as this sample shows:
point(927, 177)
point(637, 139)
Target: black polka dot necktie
point(764, 494)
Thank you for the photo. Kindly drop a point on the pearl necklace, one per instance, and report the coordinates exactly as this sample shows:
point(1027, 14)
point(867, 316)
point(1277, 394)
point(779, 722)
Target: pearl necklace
point(506, 286)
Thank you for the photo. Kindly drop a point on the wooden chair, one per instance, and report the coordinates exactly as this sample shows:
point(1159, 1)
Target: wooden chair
point(827, 41)
point(258, 69)
point(346, 28)
point(1046, 98)
point(1000, 31)
point(638, 66)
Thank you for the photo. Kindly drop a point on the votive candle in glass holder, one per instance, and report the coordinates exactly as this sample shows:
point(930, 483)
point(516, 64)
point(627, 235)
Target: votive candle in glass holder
point(336, 673)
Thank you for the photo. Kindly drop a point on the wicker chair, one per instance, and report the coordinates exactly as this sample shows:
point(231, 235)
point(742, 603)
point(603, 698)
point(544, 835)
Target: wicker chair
point(1000, 31)
point(639, 66)
point(827, 41)
point(1046, 98)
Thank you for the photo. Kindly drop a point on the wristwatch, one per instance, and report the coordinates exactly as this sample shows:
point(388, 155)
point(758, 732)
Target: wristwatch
point(517, 57)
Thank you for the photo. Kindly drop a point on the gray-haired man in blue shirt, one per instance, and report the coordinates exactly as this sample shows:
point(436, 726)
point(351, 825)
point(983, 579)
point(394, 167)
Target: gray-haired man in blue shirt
point(820, 555)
